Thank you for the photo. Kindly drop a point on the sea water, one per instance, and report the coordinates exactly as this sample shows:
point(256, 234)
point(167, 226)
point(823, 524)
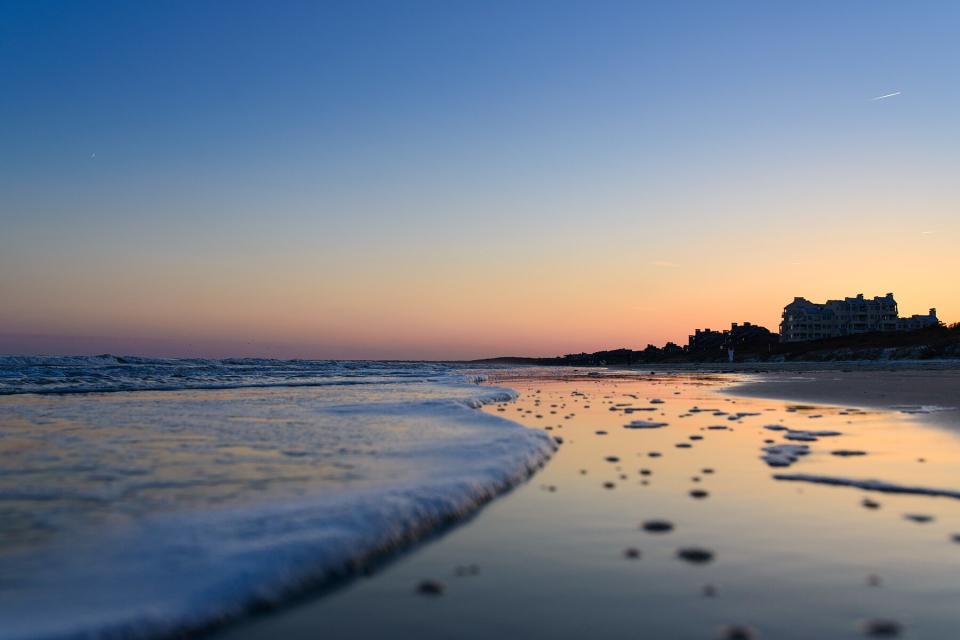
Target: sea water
point(146, 496)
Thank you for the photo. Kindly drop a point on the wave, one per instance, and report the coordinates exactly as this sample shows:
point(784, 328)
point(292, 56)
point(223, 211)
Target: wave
point(109, 373)
point(166, 574)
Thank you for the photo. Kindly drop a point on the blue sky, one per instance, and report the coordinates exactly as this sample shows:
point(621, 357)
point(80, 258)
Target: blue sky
point(315, 158)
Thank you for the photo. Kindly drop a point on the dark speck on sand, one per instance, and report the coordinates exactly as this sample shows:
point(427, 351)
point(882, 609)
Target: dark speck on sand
point(431, 588)
point(695, 555)
point(920, 518)
point(881, 628)
point(736, 632)
point(657, 526)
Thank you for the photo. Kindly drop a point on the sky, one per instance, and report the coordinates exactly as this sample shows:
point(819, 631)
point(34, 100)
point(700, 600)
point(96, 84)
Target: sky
point(466, 179)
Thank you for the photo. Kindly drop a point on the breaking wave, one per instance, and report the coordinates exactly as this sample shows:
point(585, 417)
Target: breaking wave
point(149, 515)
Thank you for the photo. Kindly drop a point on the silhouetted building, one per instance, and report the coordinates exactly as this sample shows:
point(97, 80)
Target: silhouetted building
point(744, 336)
point(805, 320)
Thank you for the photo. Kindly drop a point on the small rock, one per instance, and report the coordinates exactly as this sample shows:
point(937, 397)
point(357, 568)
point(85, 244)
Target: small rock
point(657, 526)
point(698, 494)
point(695, 555)
point(431, 588)
point(736, 632)
point(920, 518)
point(870, 504)
point(881, 628)
point(632, 553)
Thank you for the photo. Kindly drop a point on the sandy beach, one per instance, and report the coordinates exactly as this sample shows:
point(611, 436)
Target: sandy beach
point(798, 508)
point(930, 392)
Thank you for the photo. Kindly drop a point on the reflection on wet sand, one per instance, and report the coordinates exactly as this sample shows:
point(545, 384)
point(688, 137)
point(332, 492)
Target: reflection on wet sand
point(666, 513)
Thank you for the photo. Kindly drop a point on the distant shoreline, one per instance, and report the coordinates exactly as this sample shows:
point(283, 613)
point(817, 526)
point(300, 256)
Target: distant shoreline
point(930, 343)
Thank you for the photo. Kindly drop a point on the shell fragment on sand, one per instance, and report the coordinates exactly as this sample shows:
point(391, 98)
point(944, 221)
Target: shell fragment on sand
point(644, 424)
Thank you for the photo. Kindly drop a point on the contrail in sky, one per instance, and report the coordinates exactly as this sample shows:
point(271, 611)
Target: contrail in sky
point(889, 95)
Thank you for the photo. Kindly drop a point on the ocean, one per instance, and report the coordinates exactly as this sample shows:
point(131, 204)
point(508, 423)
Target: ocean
point(144, 497)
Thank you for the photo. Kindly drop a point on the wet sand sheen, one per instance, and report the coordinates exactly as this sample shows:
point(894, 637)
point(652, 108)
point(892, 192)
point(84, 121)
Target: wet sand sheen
point(681, 530)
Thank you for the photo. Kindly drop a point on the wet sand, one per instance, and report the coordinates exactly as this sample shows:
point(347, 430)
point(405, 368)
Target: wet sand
point(675, 510)
point(934, 394)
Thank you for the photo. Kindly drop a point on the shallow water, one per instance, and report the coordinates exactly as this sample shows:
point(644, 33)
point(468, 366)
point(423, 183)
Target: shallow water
point(790, 560)
point(148, 512)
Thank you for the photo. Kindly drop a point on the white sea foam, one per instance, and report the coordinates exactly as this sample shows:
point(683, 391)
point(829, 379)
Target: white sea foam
point(106, 373)
point(149, 514)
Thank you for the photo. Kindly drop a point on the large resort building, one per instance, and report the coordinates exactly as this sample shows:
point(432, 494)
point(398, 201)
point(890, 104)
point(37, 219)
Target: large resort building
point(805, 320)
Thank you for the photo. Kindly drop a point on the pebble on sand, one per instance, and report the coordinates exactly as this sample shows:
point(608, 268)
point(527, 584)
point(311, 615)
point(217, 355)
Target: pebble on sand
point(608, 485)
point(870, 504)
point(695, 555)
point(431, 588)
point(699, 494)
point(737, 632)
point(881, 628)
point(632, 553)
point(657, 526)
point(644, 424)
point(920, 518)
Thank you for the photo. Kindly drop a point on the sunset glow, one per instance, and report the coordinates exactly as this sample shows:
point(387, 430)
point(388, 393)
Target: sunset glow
point(543, 182)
